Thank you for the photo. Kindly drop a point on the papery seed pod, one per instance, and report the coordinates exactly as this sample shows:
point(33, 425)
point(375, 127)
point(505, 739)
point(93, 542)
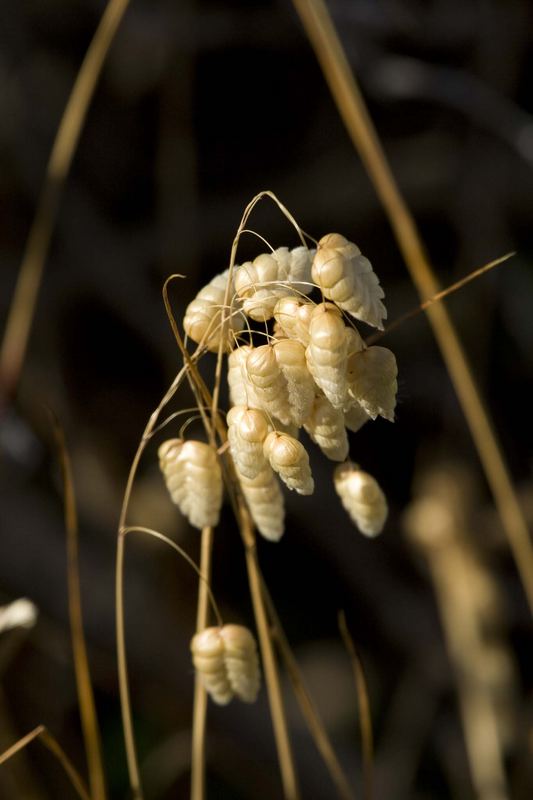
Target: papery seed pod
point(293, 316)
point(256, 285)
point(290, 356)
point(362, 498)
point(346, 277)
point(296, 265)
point(270, 386)
point(194, 480)
point(327, 351)
point(241, 390)
point(355, 417)
point(203, 316)
point(247, 430)
point(226, 660)
point(288, 457)
point(265, 501)
point(372, 381)
point(326, 428)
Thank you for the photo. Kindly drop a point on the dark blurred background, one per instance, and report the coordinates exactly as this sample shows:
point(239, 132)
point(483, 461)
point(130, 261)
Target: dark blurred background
point(201, 105)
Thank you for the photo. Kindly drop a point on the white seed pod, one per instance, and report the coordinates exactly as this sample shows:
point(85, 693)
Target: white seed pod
point(290, 356)
point(327, 353)
point(362, 498)
point(247, 430)
point(256, 283)
point(194, 480)
point(288, 457)
point(372, 381)
point(203, 316)
point(326, 428)
point(293, 315)
point(346, 277)
point(227, 662)
point(269, 384)
point(265, 501)
point(241, 390)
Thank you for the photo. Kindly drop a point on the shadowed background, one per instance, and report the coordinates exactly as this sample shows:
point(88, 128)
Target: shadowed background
point(201, 105)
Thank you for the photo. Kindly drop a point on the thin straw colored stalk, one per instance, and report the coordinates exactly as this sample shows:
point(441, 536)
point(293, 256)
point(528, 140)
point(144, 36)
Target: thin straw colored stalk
point(277, 710)
point(51, 743)
point(200, 695)
point(89, 720)
point(346, 93)
point(305, 701)
point(365, 717)
point(125, 700)
point(22, 308)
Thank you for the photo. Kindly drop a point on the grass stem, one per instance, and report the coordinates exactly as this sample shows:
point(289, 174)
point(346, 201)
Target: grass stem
point(200, 695)
point(347, 95)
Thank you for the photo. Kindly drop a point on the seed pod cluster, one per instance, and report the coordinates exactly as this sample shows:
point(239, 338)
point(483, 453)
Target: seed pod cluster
point(194, 480)
point(227, 662)
point(362, 498)
point(315, 371)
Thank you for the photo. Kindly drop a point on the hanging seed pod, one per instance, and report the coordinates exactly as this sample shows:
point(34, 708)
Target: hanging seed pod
point(194, 480)
point(355, 417)
point(270, 386)
point(296, 265)
point(346, 277)
point(362, 498)
point(203, 317)
point(326, 428)
point(241, 390)
point(293, 315)
point(290, 356)
point(227, 662)
point(372, 381)
point(265, 502)
point(288, 457)
point(327, 353)
point(256, 284)
point(247, 430)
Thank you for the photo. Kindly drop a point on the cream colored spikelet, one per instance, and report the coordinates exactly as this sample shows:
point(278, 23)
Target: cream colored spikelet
point(372, 381)
point(203, 316)
point(327, 353)
point(362, 498)
point(325, 426)
point(268, 381)
point(247, 430)
point(296, 265)
point(355, 417)
point(265, 502)
point(194, 480)
point(290, 356)
point(288, 457)
point(346, 277)
point(241, 390)
point(227, 662)
point(256, 284)
point(293, 315)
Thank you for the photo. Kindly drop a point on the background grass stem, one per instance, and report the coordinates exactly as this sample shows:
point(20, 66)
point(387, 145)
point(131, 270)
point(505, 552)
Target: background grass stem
point(347, 95)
